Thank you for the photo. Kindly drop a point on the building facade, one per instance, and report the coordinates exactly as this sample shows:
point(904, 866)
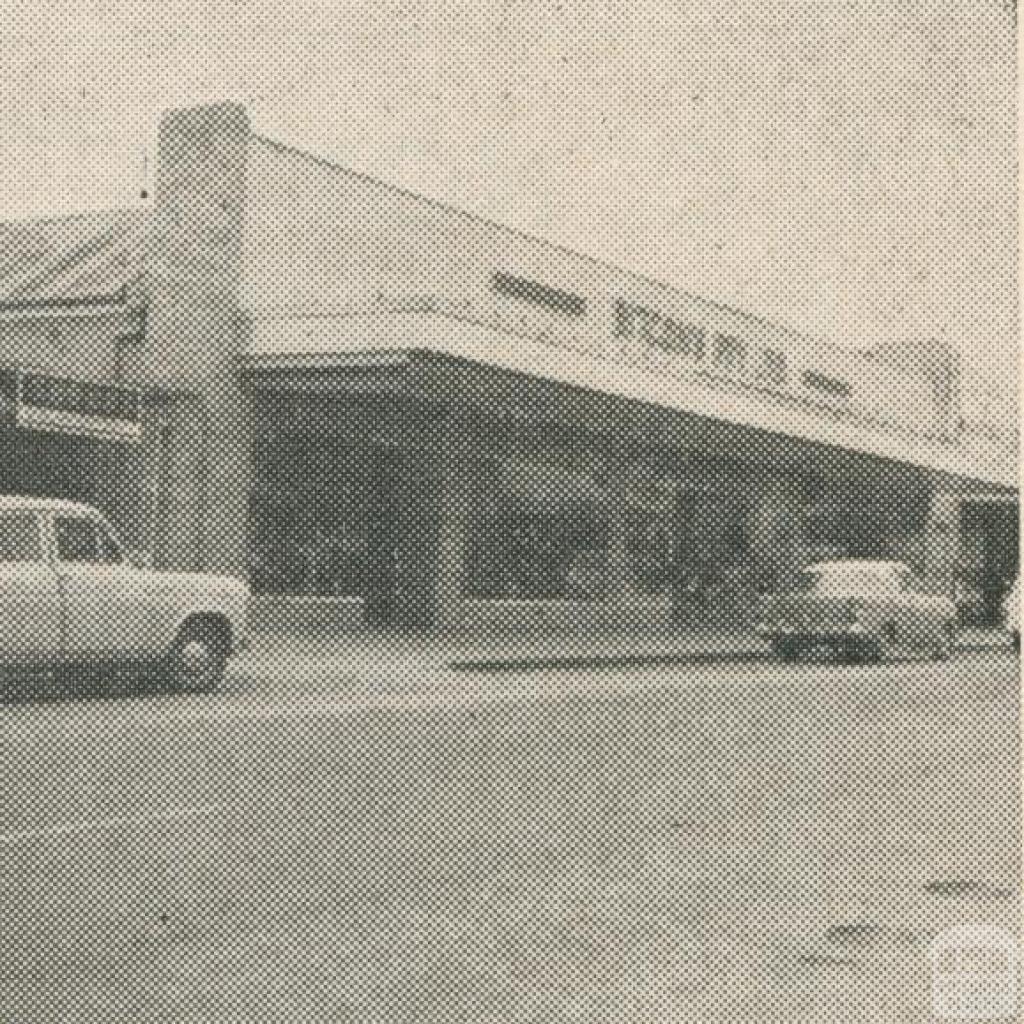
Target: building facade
point(387, 412)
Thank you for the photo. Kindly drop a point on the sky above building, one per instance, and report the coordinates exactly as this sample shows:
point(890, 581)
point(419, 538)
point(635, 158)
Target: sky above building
point(844, 168)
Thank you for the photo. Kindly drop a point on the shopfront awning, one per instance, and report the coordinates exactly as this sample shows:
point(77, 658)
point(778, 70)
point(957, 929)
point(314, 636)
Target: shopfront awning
point(449, 359)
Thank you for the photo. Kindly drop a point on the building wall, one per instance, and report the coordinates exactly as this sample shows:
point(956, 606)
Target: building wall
point(319, 238)
point(246, 230)
point(76, 345)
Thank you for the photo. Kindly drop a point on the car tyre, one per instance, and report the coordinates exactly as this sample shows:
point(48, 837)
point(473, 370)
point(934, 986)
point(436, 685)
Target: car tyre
point(197, 659)
point(884, 644)
point(785, 651)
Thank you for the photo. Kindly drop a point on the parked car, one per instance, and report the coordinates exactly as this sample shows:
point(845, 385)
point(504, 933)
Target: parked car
point(859, 610)
point(1011, 614)
point(71, 597)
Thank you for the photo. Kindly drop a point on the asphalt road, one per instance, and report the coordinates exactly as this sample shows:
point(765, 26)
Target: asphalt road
point(727, 843)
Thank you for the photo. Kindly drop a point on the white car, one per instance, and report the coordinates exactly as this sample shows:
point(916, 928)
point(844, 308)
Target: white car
point(70, 596)
point(1011, 614)
point(861, 610)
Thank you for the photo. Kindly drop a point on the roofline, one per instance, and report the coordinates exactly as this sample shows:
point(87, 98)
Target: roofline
point(519, 233)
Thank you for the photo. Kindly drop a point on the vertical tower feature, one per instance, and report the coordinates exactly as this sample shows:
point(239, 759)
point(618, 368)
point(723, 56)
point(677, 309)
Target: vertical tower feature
point(193, 271)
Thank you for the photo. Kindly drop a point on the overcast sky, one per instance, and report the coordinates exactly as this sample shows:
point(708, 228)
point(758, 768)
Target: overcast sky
point(845, 168)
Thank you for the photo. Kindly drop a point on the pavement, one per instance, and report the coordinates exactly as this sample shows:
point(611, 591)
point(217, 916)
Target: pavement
point(728, 842)
point(368, 654)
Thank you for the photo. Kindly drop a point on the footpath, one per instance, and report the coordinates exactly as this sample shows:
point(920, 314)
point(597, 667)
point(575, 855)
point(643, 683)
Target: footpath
point(367, 653)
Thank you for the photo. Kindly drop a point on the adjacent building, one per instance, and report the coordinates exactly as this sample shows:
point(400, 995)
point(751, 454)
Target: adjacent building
point(388, 412)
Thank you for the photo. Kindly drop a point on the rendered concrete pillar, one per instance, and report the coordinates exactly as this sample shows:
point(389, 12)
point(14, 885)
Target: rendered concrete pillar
point(178, 534)
point(195, 331)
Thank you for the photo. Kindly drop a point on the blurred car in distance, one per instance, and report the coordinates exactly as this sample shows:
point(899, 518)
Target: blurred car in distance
point(858, 610)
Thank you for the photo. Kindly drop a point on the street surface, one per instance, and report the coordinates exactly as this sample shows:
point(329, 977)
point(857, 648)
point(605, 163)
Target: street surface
point(713, 843)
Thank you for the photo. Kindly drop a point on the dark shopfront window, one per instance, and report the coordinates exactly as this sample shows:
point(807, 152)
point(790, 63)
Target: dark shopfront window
point(307, 552)
point(649, 549)
point(310, 521)
point(524, 552)
point(555, 540)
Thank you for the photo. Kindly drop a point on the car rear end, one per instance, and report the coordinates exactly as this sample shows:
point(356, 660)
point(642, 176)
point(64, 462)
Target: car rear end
point(796, 622)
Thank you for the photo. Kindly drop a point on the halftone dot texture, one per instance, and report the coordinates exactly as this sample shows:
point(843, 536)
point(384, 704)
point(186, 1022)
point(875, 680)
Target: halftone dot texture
point(506, 743)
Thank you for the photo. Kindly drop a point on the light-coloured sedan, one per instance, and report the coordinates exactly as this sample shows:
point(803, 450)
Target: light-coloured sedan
point(858, 610)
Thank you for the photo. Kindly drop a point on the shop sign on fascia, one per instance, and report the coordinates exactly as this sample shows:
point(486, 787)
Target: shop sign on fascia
point(39, 401)
point(674, 337)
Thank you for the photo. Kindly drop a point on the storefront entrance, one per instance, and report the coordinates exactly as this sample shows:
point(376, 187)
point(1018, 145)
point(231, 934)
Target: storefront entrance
point(343, 520)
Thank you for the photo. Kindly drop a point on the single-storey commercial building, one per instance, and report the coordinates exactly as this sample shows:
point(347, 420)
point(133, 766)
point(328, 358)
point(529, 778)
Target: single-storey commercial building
point(385, 411)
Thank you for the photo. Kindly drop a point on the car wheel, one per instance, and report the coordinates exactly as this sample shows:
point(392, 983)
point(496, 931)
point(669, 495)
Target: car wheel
point(853, 653)
point(884, 644)
point(785, 650)
point(196, 660)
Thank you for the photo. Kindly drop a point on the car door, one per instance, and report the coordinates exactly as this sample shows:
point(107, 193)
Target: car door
point(30, 600)
point(105, 595)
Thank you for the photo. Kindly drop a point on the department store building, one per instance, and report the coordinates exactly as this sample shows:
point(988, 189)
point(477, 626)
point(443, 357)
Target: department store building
point(387, 412)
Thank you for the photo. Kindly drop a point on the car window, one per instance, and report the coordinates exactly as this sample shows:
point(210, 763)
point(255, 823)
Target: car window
point(84, 540)
point(19, 537)
point(110, 548)
point(77, 540)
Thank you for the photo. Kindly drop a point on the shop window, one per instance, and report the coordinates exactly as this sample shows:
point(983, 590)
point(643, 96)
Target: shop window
point(649, 546)
point(19, 537)
point(310, 520)
point(519, 551)
point(771, 366)
point(730, 353)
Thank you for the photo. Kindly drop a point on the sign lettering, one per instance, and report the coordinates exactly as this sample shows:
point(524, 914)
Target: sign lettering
point(44, 402)
point(633, 321)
